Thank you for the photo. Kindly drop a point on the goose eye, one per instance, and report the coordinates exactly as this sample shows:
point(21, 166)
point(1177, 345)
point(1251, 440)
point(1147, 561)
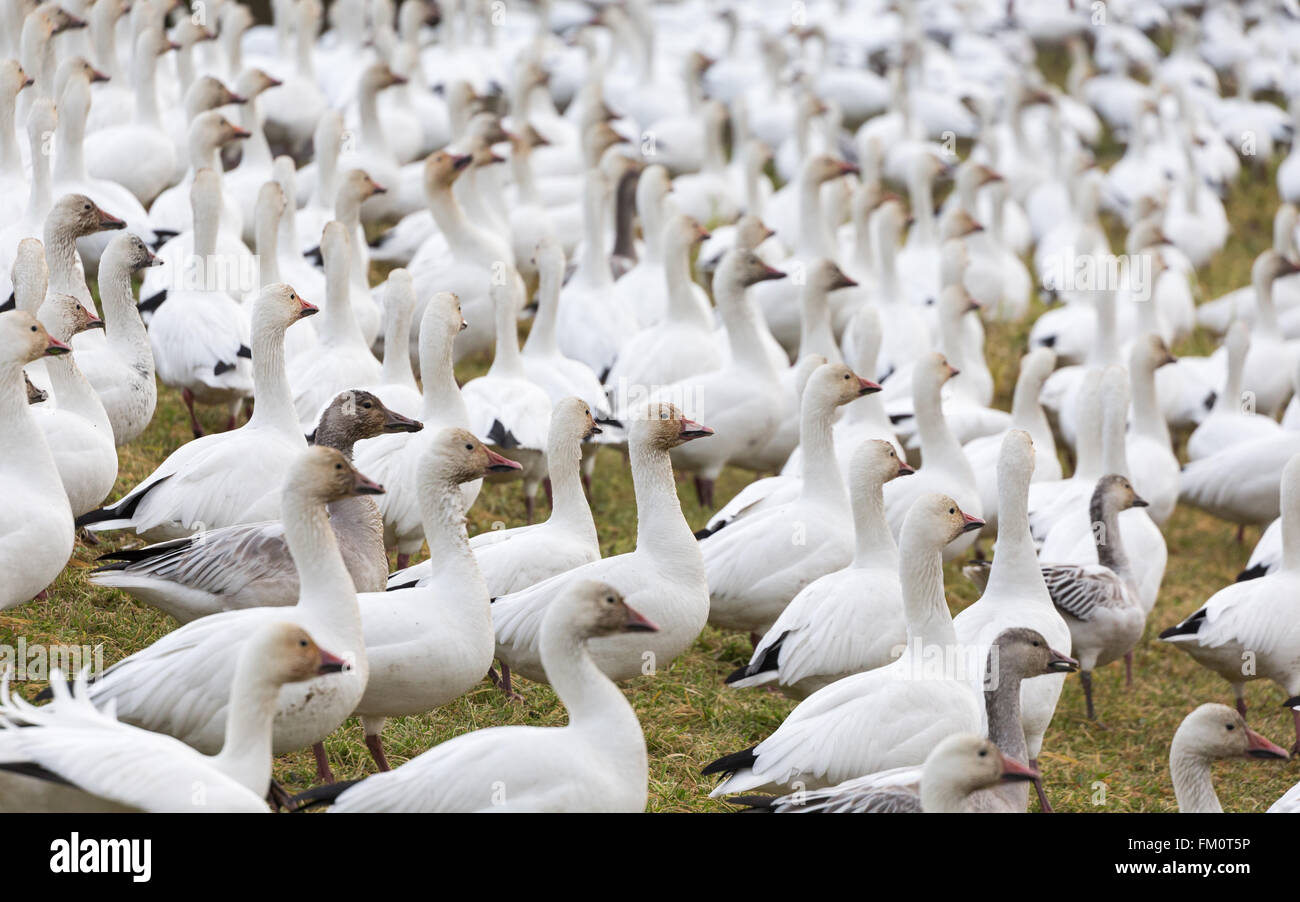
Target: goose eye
point(984, 753)
point(609, 599)
point(1231, 727)
point(338, 466)
point(302, 643)
point(33, 328)
point(367, 405)
point(952, 510)
point(469, 447)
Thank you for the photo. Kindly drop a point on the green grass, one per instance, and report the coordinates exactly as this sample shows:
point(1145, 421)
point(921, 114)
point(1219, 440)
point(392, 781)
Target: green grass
point(690, 717)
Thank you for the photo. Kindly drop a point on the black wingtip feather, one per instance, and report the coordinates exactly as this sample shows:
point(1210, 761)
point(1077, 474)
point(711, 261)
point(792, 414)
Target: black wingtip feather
point(502, 437)
point(1254, 572)
point(729, 764)
point(318, 796)
point(1189, 627)
point(770, 661)
point(152, 302)
point(125, 508)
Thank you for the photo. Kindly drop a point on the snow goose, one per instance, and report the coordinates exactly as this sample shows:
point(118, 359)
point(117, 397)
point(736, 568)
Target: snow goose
point(233, 477)
point(1210, 732)
point(34, 217)
point(397, 381)
point(1027, 415)
point(1016, 595)
point(744, 396)
point(13, 180)
point(1072, 539)
point(1021, 654)
point(664, 574)
point(1254, 619)
point(428, 645)
point(74, 757)
point(341, 359)
point(180, 685)
point(395, 459)
point(1150, 454)
point(945, 467)
point(294, 109)
point(249, 565)
point(122, 368)
point(36, 534)
point(754, 567)
point(595, 763)
point(1233, 419)
point(505, 408)
point(847, 621)
point(887, 717)
point(1100, 601)
point(201, 334)
point(76, 427)
point(681, 342)
point(210, 133)
point(1269, 362)
point(906, 334)
point(73, 216)
point(514, 559)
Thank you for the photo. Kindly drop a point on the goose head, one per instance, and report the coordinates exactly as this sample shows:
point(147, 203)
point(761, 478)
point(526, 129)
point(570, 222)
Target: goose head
point(76, 69)
point(356, 186)
point(1114, 493)
point(592, 609)
point(1217, 731)
point(651, 190)
point(874, 463)
point(443, 315)
point(1025, 652)
point(356, 415)
point(972, 176)
point(573, 416)
point(153, 42)
point(965, 763)
point(834, 384)
point(662, 426)
point(682, 233)
point(889, 220)
point(548, 257)
point(823, 167)
point(59, 19)
point(187, 32)
point(751, 232)
point(286, 653)
point(34, 394)
point(1036, 366)
point(31, 275)
point(740, 269)
point(212, 131)
point(955, 302)
point(131, 252)
point(441, 170)
point(825, 276)
point(935, 520)
point(931, 372)
point(377, 76)
point(598, 138)
point(253, 83)
point(209, 93)
point(522, 140)
point(323, 474)
point(1271, 265)
point(23, 339)
point(958, 223)
point(81, 216)
point(1150, 353)
point(64, 316)
point(12, 78)
point(278, 307)
point(456, 456)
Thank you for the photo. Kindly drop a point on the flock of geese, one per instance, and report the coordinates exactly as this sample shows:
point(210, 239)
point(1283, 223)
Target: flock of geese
point(758, 237)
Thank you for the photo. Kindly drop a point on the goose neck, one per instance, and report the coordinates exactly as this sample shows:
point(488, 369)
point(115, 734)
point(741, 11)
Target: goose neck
point(1015, 570)
point(924, 606)
point(660, 526)
point(273, 407)
point(813, 241)
point(340, 324)
point(815, 333)
point(1193, 784)
point(325, 586)
point(744, 336)
point(1148, 418)
point(819, 468)
point(144, 68)
point(442, 510)
point(1109, 542)
point(10, 160)
point(506, 361)
point(563, 458)
point(442, 398)
point(397, 338)
point(542, 338)
point(595, 268)
point(246, 753)
point(70, 133)
point(874, 544)
point(123, 328)
point(682, 305)
point(938, 444)
point(592, 700)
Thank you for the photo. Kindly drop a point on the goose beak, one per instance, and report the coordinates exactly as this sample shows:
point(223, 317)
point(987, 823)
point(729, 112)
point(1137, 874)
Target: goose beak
point(770, 273)
point(463, 325)
point(953, 371)
point(638, 623)
point(693, 430)
point(239, 134)
point(28, 81)
point(1259, 747)
point(1139, 501)
point(1013, 771)
point(972, 305)
point(305, 309)
point(109, 221)
point(396, 79)
point(702, 234)
point(499, 464)
point(843, 281)
point(905, 469)
point(364, 485)
point(1059, 663)
point(395, 422)
point(376, 188)
point(867, 387)
point(460, 161)
point(848, 169)
point(97, 76)
point(153, 260)
point(272, 82)
point(768, 232)
point(593, 430)
point(330, 663)
point(238, 99)
point(55, 347)
point(95, 323)
point(969, 523)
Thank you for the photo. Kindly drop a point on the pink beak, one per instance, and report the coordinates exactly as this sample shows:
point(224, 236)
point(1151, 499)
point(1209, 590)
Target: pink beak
point(330, 663)
point(692, 430)
point(56, 347)
point(866, 386)
point(969, 522)
point(1014, 770)
point(499, 464)
point(638, 622)
point(905, 469)
point(1259, 747)
point(306, 309)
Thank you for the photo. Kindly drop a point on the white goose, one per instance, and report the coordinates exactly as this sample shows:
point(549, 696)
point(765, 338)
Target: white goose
point(395, 459)
point(754, 567)
point(180, 685)
point(664, 575)
point(847, 621)
point(249, 565)
point(1259, 616)
point(430, 645)
point(1151, 457)
point(76, 427)
point(397, 380)
point(90, 761)
point(233, 477)
point(595, 763)
point(514, 559)
point(36, 534)
point(1232, 420)
point(887, 717)
point(341, 359)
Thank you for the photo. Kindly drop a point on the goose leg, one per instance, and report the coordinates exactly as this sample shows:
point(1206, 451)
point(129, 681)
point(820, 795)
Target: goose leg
point(1240, 691)
point(376, 746)
point(1128, 669)
point(403, 561)
point(528, 508)
point(704, 491)
point(188, 397)
point(278, 797)
point(1085, 677)
point(502, 682)
point(1295, 718)
point(1043, 805)
point(323, 772)
point(550, 495)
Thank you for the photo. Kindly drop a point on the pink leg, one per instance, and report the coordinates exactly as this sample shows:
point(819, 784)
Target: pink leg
point(376, 746)
point(1241, 706)
point(188, 397)
point(1128, 669)
point(550, 496)
point(502, 682)
point(528, 508)
point(323, 772)
point(1295, 718)
point(403, 561)
point(1044, 805)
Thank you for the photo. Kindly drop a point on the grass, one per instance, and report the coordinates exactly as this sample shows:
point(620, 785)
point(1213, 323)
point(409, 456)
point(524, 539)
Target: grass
point(690, 717)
